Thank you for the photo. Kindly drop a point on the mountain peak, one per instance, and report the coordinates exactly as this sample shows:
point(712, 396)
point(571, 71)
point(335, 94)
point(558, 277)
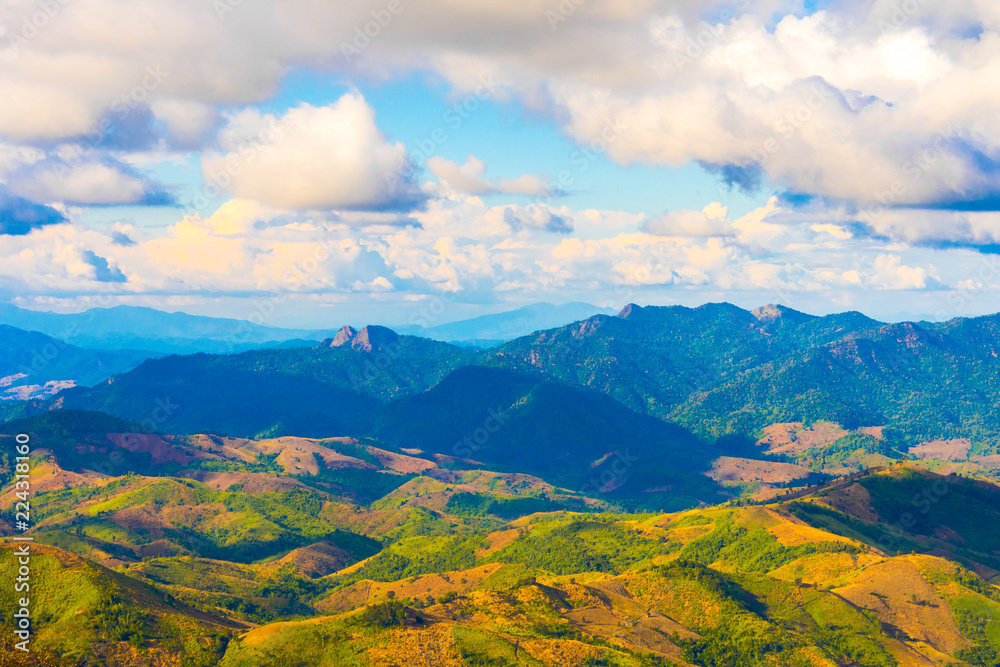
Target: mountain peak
point(371, 338)
point(773, 311)
point(625, 312)
point(345, 335)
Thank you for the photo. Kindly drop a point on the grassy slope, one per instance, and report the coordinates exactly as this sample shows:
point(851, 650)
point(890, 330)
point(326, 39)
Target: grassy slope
point(808, 582)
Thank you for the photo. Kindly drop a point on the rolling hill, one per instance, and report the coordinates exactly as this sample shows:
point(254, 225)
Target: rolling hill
point(471, 567)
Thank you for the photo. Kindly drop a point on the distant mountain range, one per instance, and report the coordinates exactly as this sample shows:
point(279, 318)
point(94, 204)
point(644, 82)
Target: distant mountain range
point(33, 365)
point(490, 330)
point(680, 386)
point(154, 331)
point(158, 332)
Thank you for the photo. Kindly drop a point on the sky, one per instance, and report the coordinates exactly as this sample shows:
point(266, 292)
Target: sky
point(305, 164)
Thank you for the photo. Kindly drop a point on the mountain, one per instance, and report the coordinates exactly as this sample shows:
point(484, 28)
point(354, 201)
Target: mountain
point(138, 328)
point(492, 329)
point(34, 365)
point(723, 373)
point(316, 391)
point(370, 339)
point(84, 613)
point(720, 370)
point(572, 437)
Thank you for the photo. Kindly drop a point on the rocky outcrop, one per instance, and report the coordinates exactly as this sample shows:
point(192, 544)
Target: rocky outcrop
point(370, 339)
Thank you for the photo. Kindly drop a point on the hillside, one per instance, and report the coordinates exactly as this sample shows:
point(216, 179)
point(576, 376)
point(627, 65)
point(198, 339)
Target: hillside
point(720, 370)
point(717, 370)
point(476, 567)
point(303, 391)
point(571, 436)
point(85, 613)
point(33, 365)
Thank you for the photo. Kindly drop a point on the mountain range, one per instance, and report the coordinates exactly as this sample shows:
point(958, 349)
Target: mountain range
point(719, 371)
point(665, 486)
point(158, 332)
point(157, 549)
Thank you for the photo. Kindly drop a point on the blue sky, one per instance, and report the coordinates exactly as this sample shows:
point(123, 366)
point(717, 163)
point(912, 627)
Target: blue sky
point(832, 156)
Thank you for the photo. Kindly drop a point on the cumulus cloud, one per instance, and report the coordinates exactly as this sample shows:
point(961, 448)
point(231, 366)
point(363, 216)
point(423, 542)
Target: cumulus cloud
point(469, 179)
point(711, 221)
point(331, 157)
point(879, 118)
point(93, 183)
point(844, 102)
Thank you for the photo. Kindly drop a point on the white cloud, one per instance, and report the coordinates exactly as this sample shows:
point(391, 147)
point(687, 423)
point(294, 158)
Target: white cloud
point(890, 273)
point(86, 184)
point(469, 179)
point(331, 157)
point(685, 82)
point(711, 221)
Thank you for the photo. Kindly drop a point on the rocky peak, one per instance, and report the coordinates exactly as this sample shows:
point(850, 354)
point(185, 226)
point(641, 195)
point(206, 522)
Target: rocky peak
point(628, 310)
point(344, 336)
point(774, 311)
point(371, 338)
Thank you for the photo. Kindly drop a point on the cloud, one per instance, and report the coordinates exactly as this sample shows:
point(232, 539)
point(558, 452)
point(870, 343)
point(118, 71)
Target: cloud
point(107, 182)
point(190, 124)
point(19, 216)
point(712, 221)
point(315, 158)
point(890, 273)
point(842, 102)
point(747, 178)
point(469, 179)
point(103, 271)
point(536, 217)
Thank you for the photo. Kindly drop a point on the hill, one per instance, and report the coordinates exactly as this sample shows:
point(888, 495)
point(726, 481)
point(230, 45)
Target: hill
point(342, 551)
point(33, 365)
point(83, 613)
point(572, 437)
point(304, 391)
point(720, 370)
